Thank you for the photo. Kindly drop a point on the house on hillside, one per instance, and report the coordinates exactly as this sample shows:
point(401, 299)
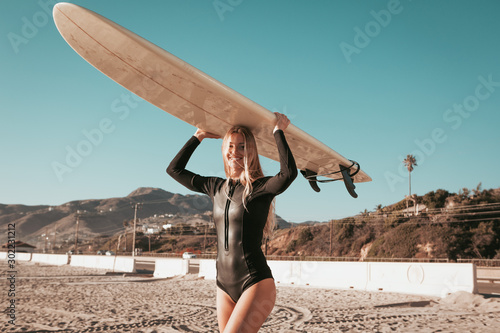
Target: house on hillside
point(414, 210)
point(150, 229)
point(20, 247)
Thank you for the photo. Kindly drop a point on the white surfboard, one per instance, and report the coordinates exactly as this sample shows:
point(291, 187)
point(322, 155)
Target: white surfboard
point(189, 94)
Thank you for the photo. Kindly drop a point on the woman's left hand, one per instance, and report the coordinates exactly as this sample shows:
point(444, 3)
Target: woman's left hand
point(282, 122)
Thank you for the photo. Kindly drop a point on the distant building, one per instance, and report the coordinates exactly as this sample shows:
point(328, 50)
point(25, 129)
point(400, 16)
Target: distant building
point(414, 210)
point(20, 247)
point(153, 229)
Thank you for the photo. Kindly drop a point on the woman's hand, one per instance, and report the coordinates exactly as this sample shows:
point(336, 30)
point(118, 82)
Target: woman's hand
point(201, 134)
point(282, 122)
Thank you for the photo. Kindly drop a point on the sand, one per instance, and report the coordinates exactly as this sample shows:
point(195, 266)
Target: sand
point(71, 299)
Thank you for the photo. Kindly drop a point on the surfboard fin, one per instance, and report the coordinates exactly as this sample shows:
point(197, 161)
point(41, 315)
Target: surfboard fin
point(349, 185)
point(311, 177)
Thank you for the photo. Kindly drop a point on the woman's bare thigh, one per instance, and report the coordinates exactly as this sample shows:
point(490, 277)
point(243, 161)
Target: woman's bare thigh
point(253, 307)
point(225, 307)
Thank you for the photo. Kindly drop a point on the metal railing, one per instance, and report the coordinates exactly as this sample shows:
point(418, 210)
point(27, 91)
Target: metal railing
point(482, 262)
point(355, 259)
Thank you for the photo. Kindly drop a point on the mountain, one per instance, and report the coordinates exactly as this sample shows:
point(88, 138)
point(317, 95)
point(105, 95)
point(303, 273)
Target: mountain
point(101, 216)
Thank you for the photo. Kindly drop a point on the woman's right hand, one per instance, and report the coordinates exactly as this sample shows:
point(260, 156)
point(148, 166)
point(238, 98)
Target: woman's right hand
point(201, 134)
point(282, 122)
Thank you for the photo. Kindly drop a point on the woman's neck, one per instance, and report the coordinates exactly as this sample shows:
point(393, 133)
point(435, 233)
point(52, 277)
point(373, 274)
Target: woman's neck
point(235, 175)
point(233, 180)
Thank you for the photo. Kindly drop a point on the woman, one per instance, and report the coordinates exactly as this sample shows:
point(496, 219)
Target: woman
point(242, 210)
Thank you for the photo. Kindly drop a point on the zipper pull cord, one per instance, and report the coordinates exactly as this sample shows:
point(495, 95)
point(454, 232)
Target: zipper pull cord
point(226, 215)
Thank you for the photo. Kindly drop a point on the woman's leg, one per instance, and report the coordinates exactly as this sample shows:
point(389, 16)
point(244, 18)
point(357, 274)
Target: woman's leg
point(253, 307)
point(225, 306)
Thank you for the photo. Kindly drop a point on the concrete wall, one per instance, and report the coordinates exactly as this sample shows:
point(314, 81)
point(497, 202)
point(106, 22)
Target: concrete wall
point(116, 264)
point(165, 268)
point(434, 279)
point(422, 278)
point(22, 256)
point(343, 275)
point(51, 259)
point(491, 274)
point(207, 269)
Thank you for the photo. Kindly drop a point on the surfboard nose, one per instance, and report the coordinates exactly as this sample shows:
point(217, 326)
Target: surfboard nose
point(59, 7)
point(63, 8)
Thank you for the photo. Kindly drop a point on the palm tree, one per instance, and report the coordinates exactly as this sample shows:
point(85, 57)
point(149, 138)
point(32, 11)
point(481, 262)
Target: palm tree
point(409, 161)
point(364, 213)
point(477, 190)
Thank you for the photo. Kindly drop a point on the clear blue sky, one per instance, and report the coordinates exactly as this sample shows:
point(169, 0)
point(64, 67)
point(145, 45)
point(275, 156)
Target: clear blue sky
point(374, 80)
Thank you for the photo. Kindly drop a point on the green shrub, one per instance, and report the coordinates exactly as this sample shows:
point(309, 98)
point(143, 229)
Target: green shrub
point(305, 236)
point(291, 246)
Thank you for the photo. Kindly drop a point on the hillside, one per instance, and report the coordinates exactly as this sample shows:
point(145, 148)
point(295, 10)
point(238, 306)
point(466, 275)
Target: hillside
point(452, 226)
point(100, 217)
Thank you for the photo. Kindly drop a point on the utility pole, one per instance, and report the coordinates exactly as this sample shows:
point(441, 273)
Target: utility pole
point(76, 236)
point(125, 250)
point(55, 229)
point(46, 237)
point(331, 236)
point(136, 206)
point(205, 239)
point(125, 247)
point(118, 245)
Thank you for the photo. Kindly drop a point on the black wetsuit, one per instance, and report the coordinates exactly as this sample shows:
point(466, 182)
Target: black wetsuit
point(240, 261)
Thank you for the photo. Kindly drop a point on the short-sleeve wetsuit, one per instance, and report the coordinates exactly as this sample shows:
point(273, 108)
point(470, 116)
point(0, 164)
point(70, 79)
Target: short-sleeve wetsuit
point(240, 261)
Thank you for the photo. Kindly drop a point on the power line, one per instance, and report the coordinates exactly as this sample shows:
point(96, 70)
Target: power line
point(378, 221)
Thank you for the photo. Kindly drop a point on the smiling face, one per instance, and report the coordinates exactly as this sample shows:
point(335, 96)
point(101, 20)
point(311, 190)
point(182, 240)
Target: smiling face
point(235, 154)
point(239, 152)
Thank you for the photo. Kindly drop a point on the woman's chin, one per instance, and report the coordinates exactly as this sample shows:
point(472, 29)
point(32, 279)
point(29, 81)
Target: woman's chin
point(236, 172)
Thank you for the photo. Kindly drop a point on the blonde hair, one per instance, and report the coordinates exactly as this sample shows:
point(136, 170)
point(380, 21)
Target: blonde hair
point(252, 169)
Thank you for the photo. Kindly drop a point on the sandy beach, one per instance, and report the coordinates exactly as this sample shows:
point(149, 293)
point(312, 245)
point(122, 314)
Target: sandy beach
point(70, 299)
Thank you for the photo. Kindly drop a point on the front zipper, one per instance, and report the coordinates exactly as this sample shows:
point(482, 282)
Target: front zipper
point(226, 216)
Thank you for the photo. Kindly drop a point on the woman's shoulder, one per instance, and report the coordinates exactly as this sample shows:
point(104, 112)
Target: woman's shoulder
point(217, 181)
point(261, 181)
point(209, 185)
